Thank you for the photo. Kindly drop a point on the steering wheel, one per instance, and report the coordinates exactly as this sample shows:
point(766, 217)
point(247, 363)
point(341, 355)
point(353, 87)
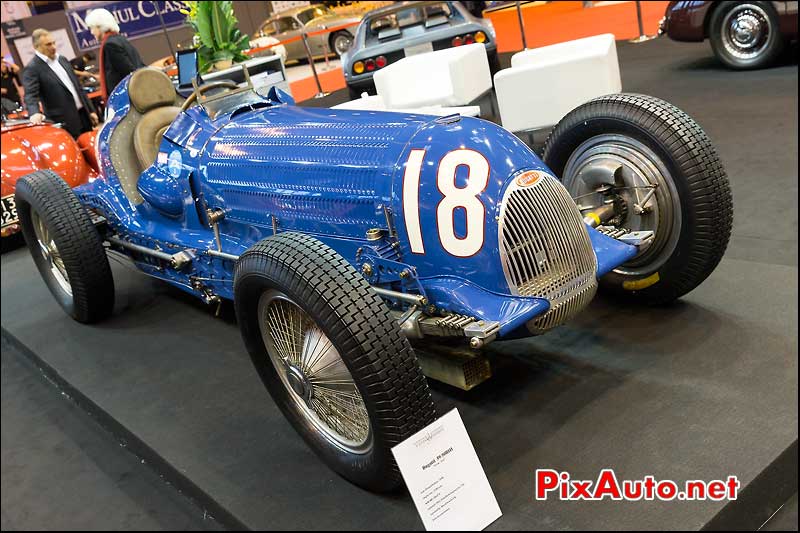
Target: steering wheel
point(224, 84)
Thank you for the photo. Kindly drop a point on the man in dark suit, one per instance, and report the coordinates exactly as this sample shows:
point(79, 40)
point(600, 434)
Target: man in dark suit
point(48, 79)
point(118, 57)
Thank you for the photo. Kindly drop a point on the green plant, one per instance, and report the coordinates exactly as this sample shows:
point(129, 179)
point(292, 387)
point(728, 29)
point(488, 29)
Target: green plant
point(217, 29)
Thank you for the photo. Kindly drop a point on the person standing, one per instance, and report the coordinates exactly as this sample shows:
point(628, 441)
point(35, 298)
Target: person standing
point(48, 79)
point(10, 81)
point(118, 57)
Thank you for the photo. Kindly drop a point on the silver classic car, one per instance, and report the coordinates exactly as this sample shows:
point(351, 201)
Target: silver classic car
point(391, 33)
point(308, 19)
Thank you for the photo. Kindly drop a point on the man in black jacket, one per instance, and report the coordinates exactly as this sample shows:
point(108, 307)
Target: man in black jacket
point(48, 79)
point(118, 57)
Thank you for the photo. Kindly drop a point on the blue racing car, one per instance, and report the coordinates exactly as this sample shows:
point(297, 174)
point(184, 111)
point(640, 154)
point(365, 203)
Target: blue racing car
point(342, 235)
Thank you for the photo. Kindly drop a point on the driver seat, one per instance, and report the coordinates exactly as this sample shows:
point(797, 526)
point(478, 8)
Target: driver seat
point(151, 93)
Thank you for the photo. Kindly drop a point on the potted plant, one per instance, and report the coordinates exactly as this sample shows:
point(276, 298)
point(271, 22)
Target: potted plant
point(216, 29)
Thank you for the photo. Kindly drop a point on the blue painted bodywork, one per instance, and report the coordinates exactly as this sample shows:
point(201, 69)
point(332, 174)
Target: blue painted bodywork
point(334, 174)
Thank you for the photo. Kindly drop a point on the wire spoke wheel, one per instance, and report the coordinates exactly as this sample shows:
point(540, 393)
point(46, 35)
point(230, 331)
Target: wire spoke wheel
point(331, 356)
point(50, 252)
point(313, 372)
point(65, 246)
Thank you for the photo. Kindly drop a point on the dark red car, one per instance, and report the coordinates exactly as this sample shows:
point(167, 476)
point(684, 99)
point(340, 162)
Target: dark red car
point(743, 35)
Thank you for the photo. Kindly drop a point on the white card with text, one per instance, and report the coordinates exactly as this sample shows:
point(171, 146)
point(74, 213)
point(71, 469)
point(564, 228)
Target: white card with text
point(445, 477)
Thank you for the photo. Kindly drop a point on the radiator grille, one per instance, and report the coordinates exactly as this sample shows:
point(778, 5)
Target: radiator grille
point(546, 249)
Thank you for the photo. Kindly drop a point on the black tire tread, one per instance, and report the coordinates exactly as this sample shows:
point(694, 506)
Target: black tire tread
point(78, 241)
point(380, 358)
point(697, 162)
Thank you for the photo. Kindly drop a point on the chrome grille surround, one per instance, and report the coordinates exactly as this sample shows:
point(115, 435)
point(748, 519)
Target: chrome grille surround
point(545, 248)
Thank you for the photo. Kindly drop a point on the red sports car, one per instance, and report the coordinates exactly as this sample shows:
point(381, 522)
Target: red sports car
point(28, 147)
point(743, 35)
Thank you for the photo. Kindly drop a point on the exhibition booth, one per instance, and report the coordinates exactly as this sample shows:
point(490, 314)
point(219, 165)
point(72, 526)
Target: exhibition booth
point(423, 265)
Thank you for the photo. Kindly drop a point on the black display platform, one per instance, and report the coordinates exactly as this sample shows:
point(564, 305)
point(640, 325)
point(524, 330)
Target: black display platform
point(699, 390)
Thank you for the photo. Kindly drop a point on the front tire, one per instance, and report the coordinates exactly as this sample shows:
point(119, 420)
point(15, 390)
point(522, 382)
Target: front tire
point(745, 35)
point(65, 246)
point(691, 210)
point(330, 355)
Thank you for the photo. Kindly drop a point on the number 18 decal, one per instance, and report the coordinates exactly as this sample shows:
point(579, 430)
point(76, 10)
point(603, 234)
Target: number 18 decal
point(454, 197)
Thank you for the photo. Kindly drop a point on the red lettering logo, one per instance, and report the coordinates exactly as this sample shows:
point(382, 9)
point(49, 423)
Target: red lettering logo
point(526, 179)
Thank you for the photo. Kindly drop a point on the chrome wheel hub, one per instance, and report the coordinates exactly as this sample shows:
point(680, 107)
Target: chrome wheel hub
point(313, 372)
point(299, 383)
point(594, 168)
point(746, 31)
point(342, 44)
point(50, 253)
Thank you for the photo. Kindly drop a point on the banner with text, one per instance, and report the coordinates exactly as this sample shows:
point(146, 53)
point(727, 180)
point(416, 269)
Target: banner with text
point(135, 19)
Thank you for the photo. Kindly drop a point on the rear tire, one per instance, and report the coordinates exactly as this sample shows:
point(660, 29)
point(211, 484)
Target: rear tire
point(693, 210)
point(340, 42)
point(294, 293)
point(65, 246)
point(494, 64)
point(745, 35)
point(355, 93)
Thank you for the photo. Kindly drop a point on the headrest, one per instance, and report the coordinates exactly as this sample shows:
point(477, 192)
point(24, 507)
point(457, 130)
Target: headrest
point(149, 88)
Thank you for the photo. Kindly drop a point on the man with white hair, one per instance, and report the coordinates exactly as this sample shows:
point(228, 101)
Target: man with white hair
point(118, 57)
point(49, 80)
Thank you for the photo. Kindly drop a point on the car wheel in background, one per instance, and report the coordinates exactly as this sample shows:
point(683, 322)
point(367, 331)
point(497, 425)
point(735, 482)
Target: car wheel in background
point(745, 35)
point(340, 42)
point(331, 356)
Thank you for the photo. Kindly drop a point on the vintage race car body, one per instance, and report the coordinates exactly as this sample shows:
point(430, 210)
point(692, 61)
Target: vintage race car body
point(342, 235)
point(371, 186)
point(27, 147)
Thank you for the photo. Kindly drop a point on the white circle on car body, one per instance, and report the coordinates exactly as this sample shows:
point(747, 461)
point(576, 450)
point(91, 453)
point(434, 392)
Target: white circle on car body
point(175, 163)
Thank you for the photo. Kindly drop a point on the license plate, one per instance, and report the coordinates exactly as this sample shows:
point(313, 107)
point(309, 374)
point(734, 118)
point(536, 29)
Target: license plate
point(9, 211)
point(418, 49)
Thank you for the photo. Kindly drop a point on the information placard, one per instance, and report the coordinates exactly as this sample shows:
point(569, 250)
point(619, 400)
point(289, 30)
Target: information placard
point(445, 477)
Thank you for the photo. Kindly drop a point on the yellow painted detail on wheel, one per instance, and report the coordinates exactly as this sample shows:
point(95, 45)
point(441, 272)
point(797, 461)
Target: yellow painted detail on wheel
point(594, 217)
point(640, 284)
